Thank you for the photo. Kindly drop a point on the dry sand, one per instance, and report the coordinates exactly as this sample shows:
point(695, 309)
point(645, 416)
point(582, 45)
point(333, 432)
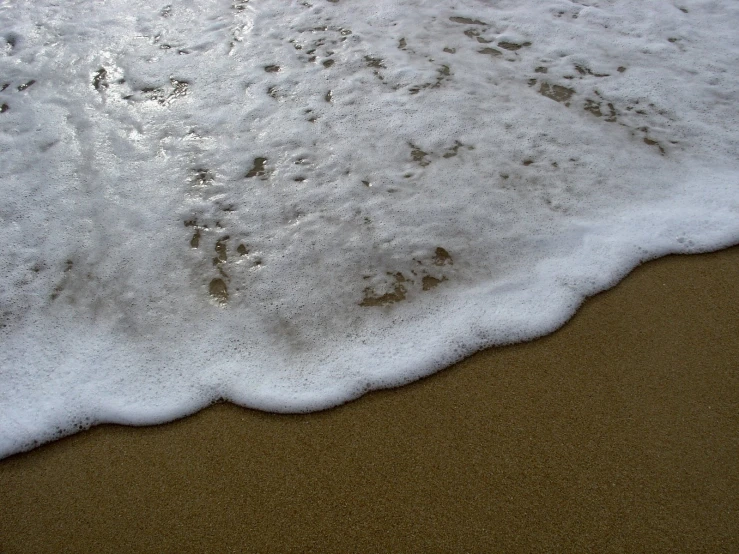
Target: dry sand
point(618, 433)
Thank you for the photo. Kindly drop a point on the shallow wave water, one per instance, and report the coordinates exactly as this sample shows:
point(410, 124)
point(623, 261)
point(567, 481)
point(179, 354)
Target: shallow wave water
point(287, 204)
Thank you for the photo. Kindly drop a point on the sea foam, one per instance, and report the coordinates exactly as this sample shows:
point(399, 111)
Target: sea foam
point(287, 204)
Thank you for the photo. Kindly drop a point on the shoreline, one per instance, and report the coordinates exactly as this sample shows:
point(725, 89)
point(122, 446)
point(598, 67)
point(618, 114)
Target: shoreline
point(618, 432)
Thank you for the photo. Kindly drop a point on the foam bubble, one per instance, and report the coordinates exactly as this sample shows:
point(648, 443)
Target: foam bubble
point(288, 204)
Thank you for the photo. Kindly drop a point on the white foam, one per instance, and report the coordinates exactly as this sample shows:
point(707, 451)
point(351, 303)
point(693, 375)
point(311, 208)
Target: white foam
point(439, 177)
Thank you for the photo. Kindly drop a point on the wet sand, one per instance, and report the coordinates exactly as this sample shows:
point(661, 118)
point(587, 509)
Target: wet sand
point(618, 433)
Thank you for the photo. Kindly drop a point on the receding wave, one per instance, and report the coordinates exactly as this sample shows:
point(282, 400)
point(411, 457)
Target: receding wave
point(287, 204)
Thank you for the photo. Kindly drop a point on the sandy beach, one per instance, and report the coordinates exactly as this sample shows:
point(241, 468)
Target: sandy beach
point(618, 433)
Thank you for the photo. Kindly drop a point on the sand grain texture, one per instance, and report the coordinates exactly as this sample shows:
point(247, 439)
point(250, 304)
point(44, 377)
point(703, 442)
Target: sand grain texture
point(620, 432)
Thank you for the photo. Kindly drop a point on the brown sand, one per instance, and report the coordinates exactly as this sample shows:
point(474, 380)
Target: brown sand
point(618, 433)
